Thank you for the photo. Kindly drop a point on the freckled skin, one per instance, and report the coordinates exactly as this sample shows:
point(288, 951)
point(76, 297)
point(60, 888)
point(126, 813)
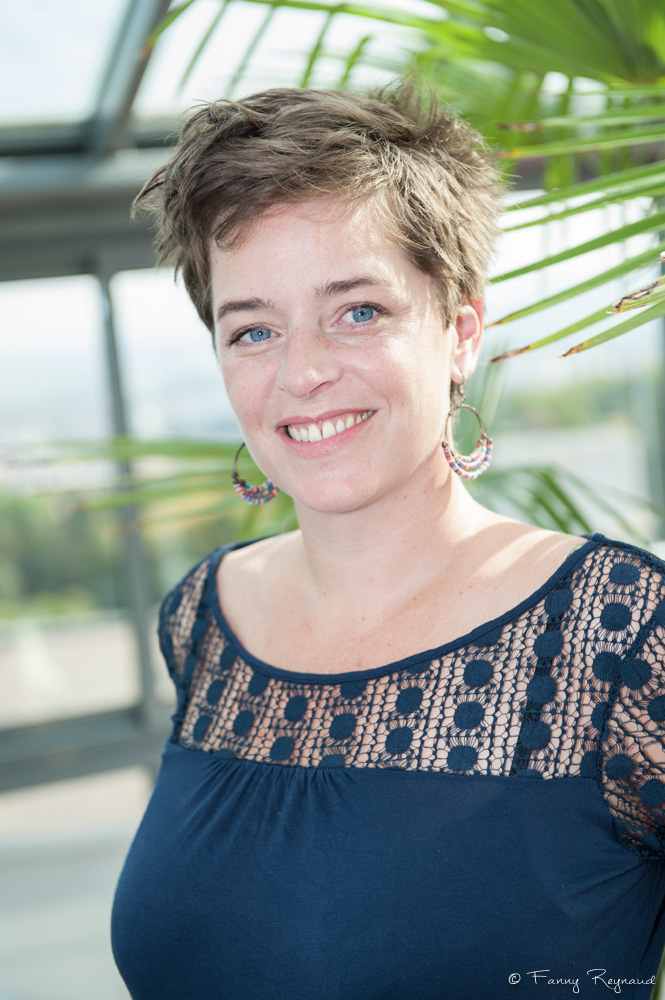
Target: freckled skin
point(316, 359)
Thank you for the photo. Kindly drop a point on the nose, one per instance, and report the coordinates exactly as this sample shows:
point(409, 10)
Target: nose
point(308, 363)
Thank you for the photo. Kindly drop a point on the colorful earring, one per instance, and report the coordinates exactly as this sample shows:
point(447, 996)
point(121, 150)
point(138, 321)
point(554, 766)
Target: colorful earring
point(251, 494)
point(478, 462)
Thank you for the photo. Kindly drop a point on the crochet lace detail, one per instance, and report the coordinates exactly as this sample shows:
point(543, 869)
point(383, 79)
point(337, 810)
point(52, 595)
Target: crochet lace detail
point(571, 685)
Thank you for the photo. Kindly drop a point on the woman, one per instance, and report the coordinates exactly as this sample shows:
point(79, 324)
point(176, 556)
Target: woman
point(418, 749)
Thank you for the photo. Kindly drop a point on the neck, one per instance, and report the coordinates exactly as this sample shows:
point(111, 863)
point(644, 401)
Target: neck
point(375, 555)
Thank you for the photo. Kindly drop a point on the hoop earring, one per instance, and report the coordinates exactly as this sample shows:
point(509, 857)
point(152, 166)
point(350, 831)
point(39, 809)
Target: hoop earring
point(251, 494)
point(478, 462)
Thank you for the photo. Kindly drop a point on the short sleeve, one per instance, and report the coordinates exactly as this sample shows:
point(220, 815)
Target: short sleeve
point(182, 624)
point(633, 743)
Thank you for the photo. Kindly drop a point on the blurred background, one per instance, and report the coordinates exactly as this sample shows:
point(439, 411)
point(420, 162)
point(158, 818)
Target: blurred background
point(115, 432)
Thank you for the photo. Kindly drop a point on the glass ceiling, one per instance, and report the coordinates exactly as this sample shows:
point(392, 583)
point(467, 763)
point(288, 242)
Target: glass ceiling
point(53, 58)
point(251, 46)
point(75, 63)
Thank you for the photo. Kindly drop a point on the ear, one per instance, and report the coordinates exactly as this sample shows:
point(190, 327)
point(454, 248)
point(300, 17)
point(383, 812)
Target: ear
point(468, 327)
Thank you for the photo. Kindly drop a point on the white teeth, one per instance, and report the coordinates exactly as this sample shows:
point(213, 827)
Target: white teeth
point(328, 429)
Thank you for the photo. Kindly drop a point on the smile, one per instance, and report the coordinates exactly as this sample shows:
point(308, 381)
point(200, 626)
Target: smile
point(326, 428)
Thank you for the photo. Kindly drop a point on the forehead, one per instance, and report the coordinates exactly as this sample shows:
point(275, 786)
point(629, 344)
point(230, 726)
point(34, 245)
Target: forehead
point(312, 241)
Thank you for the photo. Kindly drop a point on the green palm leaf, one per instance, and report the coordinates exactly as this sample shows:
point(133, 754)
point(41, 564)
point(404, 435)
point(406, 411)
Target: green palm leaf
point(648, 257)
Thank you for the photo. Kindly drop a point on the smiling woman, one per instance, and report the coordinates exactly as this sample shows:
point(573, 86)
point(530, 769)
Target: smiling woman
point(361, 701)
point(316, 351)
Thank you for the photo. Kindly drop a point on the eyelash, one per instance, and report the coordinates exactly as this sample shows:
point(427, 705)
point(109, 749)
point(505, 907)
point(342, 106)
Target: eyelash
point(361, 305)
point(370, 305)
point(235, 337)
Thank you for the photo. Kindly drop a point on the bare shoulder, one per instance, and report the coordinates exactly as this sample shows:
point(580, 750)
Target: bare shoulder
point(530, 539)
point(251, 590)
point(244, 567)
point(504, 545)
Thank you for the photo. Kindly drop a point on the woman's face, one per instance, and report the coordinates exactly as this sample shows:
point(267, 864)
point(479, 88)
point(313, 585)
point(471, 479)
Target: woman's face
point(335, 355)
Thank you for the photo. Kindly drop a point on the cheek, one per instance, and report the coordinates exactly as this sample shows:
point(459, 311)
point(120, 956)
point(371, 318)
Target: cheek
point(419, 375)
point(229, 380)
point(241, 392)
point(245, 381)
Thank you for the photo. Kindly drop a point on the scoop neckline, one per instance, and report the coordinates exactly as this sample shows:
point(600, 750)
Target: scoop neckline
point(211, 597)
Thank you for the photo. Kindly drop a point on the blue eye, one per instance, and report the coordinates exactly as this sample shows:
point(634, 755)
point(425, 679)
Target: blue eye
point(361, 314)
point(257, 334)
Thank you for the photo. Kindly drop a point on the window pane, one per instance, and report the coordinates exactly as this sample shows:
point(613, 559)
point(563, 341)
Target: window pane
point(66, 646)
point(53, 57)
point(173, 384)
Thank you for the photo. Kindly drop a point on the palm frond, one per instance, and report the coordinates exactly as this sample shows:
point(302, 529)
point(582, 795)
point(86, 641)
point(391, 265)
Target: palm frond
point(611, 274)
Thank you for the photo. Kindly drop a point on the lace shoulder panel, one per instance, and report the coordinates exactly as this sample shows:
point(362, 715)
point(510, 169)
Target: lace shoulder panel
point(184, 627)
point(627, 659)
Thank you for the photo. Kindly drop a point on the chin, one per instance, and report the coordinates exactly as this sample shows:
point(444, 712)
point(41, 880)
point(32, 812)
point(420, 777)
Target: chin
point(336, 498)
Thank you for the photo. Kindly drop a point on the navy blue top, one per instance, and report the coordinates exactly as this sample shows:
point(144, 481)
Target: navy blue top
point(481, 820)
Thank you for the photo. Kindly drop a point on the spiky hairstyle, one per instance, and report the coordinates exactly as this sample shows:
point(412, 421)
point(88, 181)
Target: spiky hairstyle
point(434, 185)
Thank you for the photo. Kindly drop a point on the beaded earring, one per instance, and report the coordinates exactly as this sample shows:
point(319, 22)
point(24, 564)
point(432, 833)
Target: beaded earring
point(251, 494)
point(478, 462)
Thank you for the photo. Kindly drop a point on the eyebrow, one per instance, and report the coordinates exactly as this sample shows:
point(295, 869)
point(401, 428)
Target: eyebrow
point(242, 305)
point(326, 291)
point(339, 287)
